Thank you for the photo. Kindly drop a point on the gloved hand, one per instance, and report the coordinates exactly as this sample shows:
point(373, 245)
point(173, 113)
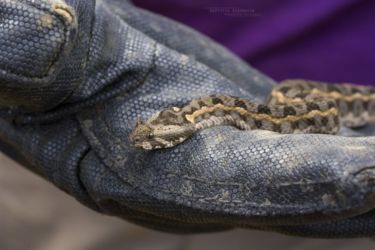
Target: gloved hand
point(75, 76)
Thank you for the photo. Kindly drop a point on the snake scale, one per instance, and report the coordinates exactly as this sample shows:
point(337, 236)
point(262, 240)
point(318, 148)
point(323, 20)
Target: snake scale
point(294, 106)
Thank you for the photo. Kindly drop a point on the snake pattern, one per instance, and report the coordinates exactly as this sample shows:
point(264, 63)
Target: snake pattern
point(294, 106)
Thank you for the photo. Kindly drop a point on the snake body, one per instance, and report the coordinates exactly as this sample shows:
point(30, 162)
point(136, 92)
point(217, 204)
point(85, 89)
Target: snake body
point(294, 106)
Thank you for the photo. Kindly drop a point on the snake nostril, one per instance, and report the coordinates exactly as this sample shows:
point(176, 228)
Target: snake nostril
point(135, 139)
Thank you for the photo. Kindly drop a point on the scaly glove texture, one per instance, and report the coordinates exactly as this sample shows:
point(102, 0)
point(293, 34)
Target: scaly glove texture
point(75, 76)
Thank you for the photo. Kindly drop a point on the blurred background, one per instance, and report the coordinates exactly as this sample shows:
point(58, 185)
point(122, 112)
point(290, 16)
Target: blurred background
point(321, 40)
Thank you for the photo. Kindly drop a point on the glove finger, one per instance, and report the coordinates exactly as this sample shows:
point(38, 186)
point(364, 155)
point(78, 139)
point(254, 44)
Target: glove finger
point(42, 50)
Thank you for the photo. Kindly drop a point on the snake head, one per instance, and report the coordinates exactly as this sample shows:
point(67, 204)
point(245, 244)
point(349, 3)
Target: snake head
point(151, 135)
point(141, 133)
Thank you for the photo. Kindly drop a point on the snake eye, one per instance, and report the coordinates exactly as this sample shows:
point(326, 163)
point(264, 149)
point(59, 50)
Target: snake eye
point(150, 135)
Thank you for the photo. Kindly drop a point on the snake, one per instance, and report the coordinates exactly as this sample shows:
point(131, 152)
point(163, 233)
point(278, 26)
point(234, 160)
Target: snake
point(293, 106)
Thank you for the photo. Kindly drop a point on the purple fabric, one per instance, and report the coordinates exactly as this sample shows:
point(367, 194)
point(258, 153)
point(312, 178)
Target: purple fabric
point(322, 40)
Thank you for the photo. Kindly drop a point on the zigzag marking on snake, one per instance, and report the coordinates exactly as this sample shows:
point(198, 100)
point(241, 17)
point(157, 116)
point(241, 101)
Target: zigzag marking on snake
point(294, 106)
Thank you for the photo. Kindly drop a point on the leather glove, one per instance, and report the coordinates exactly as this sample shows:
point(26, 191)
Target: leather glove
point(76, 75)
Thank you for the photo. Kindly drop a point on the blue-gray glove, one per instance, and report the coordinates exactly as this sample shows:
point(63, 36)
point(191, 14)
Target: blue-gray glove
point(75, 76)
